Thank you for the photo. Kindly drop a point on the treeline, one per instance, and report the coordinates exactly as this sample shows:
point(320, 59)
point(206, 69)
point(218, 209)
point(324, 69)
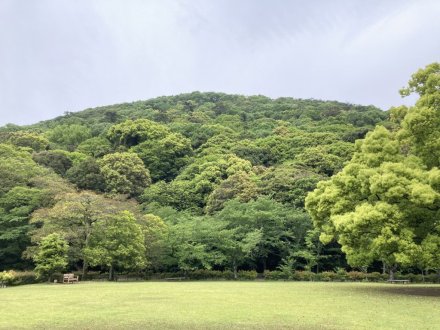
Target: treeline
point(182, 183)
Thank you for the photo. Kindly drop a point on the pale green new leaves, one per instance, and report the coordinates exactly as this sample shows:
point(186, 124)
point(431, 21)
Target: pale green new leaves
point(117, 243)
point(51, 256)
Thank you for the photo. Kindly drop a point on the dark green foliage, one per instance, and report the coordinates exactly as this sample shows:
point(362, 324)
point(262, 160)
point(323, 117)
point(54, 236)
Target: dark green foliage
point(57, 160)
point(87, 175)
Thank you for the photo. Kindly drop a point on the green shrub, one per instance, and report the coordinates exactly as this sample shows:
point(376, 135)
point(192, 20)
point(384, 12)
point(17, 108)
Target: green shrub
point(205, 274)
point(356, 276)
point(304, 276)
point(327, 276)
point(432, 278)
point(341, 274)
point(18, 277)
point(7, 278)
point(373, 277)
point(276, 275)
point(247, 275)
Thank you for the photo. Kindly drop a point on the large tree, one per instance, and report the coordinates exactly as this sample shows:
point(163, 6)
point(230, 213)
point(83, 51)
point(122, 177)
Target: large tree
point(117, 244)
point(384, 205)
point(51, 256)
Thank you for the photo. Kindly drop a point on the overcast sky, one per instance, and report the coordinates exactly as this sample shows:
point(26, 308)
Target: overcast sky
point(68, 55)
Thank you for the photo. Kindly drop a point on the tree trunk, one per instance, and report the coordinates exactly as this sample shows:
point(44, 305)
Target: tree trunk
point(392, 270)
point(234, 267)
point(85, 263)
point(85, 268)
point(110, 273)
point(384, 268)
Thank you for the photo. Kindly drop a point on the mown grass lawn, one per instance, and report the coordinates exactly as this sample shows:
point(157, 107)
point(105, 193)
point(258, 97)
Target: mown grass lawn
point(220, 305)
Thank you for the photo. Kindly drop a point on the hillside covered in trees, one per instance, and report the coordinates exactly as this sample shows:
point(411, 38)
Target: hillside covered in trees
point(211, 181)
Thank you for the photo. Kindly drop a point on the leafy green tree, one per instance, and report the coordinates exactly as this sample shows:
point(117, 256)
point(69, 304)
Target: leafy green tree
point(75, 215)
point(35, 141)
point(421, 125)
point(124, 173)
point(384, 204)
point(117, 244)
point(16, 168)
point(51, 256)
point(87, 175)
point(132, 132)
point(95, 147)
point(165, 157)
point(191, 188)
point(239, 246)
point(68, 136)
point(239, 185)
point(54, 159)
point(288, 183)
point(281, 228)
point(195, 243)
point(15, 207)
point(155, 233)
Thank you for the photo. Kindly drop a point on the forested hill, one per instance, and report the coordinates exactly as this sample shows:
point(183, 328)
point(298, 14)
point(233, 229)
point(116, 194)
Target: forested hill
point(229, 164)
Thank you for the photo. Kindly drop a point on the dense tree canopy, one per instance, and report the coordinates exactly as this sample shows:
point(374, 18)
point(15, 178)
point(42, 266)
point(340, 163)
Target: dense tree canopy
point(216, 181)
point(384, 205)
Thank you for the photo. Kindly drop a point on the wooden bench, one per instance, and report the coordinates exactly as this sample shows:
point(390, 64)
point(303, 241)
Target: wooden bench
point(70, 278)
point(398, 281)
point(175, 279)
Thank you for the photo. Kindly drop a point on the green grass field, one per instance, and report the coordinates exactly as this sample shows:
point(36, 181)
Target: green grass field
point(220, 305)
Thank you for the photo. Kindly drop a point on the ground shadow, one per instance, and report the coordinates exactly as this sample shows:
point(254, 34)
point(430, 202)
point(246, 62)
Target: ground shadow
point(395, 289)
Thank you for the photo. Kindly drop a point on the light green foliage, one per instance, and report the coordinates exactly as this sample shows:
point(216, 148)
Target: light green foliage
point(51, 256)
point(379, 206)
point(133, 132)
point(164, 157)
point(68, 136)
point(117, 244)
point(318, 159)
point(239, 185)
point(239, 244)
point(281, 228)
point(35, 141)
point(7, 278)
point(16, 167)
point(384, 204)
point(95, 147)
point(421, 126)
point(124, 173)
point(190, 190)
point(75, 215)
point(195, 243)
point(155, 233)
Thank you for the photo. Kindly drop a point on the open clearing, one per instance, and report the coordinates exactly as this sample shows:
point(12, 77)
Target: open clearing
point(220, 305)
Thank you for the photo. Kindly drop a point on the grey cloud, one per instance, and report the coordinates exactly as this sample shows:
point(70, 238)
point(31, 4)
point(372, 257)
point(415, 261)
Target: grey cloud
point(60, 55)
